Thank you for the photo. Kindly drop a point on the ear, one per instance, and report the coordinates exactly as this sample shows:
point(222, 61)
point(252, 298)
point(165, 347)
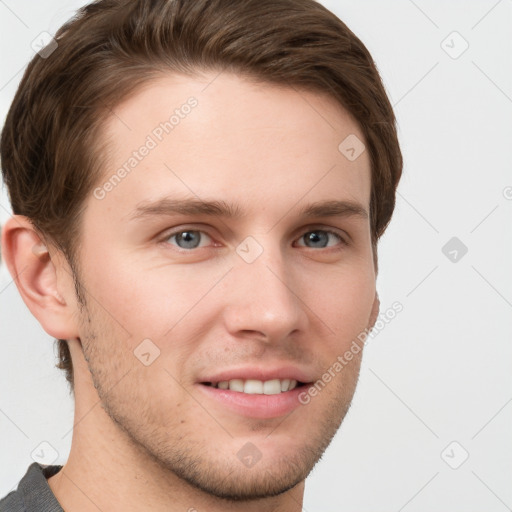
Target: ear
point(375, 311)
point(45, 284)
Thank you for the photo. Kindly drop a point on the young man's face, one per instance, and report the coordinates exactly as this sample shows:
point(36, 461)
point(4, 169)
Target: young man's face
point(266, 294)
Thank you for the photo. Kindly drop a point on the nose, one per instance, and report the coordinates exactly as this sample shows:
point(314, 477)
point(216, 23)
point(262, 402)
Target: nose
point(266, 298)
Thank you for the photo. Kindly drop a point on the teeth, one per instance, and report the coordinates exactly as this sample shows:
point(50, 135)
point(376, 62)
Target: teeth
point(236, 385)
point(257, 387)
point(272, 387)
point(253, 387)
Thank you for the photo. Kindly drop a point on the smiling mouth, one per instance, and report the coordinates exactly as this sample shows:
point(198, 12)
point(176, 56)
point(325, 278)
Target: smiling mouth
point(256, 387)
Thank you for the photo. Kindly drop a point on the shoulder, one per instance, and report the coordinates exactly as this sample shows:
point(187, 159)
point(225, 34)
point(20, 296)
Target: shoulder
point(12, 503)
point(33, 492)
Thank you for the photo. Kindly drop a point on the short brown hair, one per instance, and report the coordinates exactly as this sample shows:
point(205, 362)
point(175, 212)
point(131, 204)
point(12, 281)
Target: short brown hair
point(50, 150)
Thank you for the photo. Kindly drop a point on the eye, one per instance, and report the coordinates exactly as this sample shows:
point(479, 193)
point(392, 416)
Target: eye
point(319, 238)
point(188, 238)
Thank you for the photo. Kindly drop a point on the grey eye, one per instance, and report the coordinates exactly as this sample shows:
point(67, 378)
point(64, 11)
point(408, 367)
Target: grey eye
point(187, 239)
point(318, 238)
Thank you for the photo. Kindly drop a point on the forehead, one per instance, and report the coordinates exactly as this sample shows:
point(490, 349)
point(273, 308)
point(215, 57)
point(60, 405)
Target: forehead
point(220, 135)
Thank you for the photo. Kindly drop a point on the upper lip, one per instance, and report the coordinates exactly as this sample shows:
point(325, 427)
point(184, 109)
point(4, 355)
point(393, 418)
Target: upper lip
point(258, 373)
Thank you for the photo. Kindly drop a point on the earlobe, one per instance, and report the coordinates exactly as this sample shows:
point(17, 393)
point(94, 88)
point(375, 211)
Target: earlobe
point(37, 277)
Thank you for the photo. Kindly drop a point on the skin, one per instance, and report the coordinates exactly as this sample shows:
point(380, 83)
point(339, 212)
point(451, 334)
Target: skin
point(146, 437)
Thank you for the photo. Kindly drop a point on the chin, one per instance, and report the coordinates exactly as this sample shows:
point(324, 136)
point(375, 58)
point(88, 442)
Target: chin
point(247, 484)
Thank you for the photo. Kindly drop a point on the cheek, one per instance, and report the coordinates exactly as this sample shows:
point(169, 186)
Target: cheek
point(145, 300)
point(150, 297)
point(343, 300)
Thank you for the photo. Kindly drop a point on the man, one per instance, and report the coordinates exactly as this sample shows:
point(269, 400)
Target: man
point(198, 189)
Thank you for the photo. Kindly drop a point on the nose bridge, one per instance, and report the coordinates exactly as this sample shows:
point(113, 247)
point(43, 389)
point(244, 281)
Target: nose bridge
point(265, 297)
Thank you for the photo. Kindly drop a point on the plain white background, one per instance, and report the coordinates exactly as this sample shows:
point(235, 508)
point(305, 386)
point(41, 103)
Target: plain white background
point(435, 386)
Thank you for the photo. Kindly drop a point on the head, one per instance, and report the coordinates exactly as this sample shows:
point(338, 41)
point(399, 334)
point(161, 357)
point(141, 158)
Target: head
point(244, 107)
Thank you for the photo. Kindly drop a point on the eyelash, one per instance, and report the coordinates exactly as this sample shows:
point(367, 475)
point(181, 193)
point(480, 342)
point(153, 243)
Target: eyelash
point(342, 240)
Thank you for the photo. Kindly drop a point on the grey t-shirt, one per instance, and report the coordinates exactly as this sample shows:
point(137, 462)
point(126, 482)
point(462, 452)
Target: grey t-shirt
point(33, 493)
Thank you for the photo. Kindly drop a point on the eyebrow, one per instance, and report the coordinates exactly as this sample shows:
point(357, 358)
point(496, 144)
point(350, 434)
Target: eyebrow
point(219, 208)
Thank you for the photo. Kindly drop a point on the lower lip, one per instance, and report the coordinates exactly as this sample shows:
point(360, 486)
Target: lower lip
point(255, 405)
